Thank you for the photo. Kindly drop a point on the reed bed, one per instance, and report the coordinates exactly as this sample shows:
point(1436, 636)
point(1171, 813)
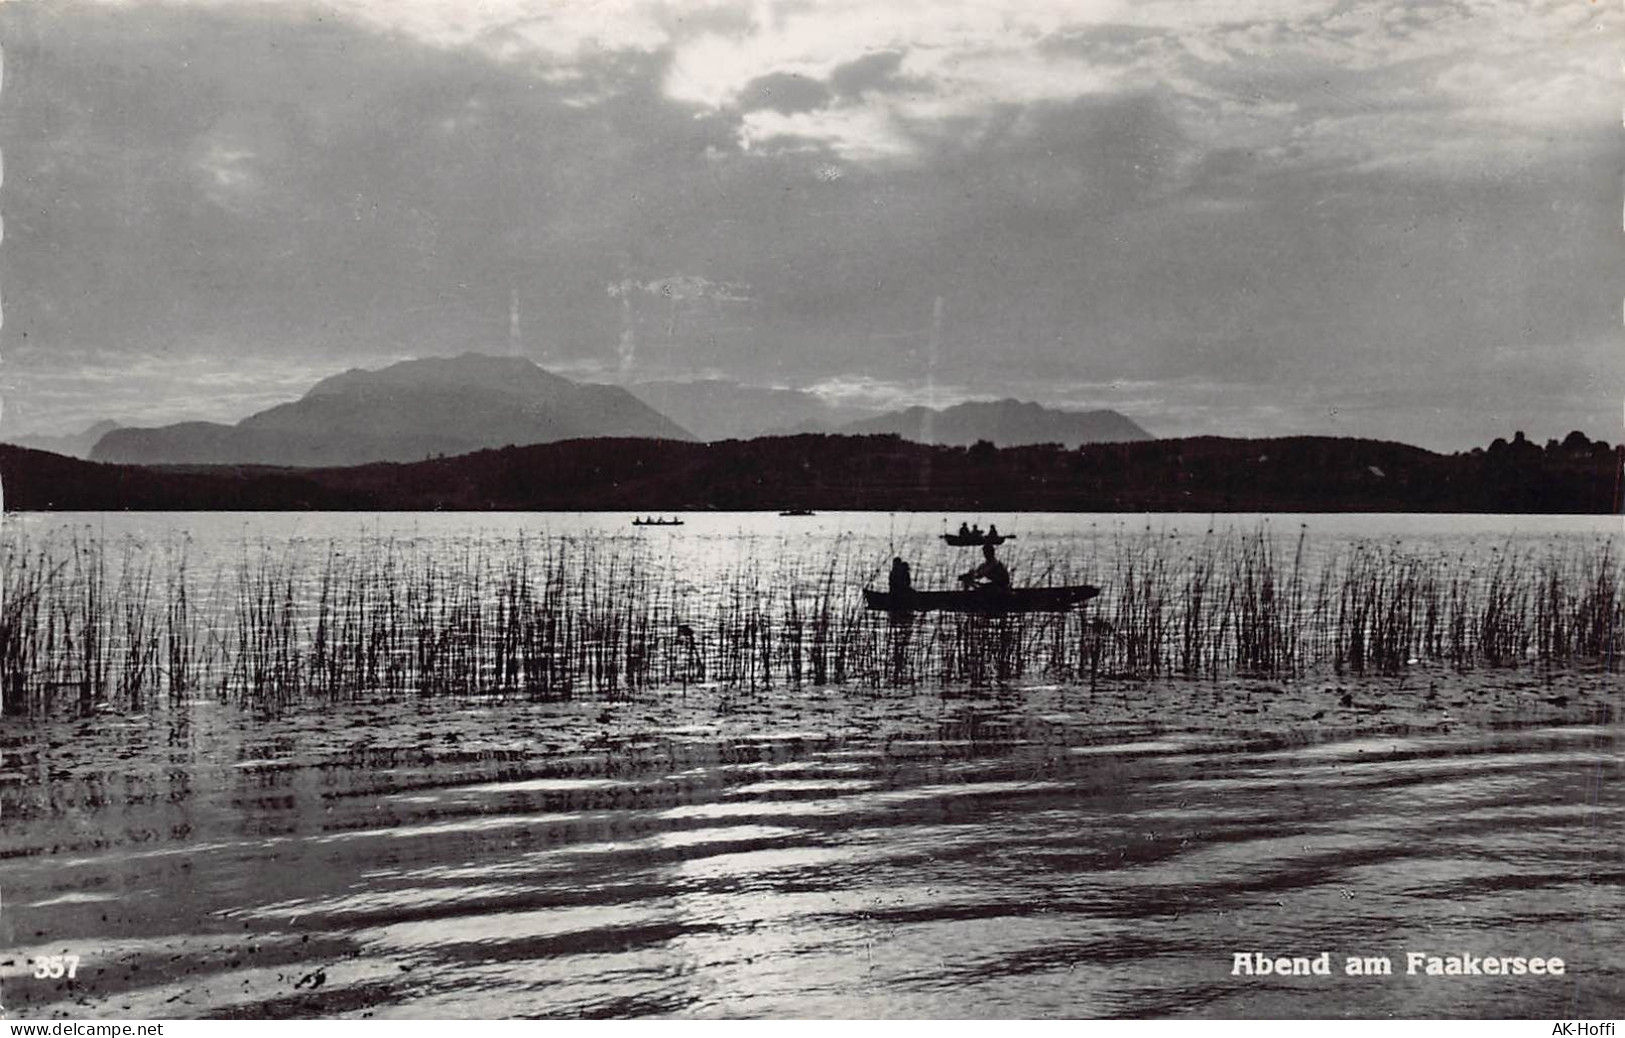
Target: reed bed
point(87, 627)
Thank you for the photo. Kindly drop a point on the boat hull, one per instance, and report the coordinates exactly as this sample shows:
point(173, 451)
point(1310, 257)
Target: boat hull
point(1015, 600)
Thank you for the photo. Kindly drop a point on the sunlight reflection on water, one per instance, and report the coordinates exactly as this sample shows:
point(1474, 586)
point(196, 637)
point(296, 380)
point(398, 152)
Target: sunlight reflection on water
point(810, 874)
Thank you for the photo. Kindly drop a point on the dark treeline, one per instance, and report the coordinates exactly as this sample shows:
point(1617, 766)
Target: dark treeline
point(1205, 474)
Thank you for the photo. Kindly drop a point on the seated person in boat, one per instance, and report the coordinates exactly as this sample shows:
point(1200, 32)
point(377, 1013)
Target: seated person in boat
point(990, 575)
point(992, 532)
point(964, 529)
point(901, 580)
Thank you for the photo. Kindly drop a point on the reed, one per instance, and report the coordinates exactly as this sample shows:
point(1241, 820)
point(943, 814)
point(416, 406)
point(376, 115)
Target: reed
point(86, 627)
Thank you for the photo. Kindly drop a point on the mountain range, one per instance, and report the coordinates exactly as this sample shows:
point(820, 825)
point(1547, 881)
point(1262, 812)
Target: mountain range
point(419, 409)
point(717, 409)
point(406, 412)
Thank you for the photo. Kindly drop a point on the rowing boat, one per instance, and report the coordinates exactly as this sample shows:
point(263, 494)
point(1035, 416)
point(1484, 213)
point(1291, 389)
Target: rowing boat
point(972, 540)
point(1012, 600)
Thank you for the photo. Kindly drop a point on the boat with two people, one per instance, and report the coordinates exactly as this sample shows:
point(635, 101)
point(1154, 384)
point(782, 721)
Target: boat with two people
point(985, 589)
point(657, 521)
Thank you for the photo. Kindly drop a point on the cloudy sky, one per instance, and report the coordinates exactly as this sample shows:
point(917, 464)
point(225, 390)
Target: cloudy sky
point(1392, 219)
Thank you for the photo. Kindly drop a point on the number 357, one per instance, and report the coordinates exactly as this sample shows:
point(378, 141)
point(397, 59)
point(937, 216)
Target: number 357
point(54, 966)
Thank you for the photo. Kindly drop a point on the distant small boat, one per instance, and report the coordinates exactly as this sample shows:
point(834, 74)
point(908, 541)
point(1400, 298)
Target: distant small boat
point(673, 521)
point(976, 540)
point(796, 512)
point(1014, 600)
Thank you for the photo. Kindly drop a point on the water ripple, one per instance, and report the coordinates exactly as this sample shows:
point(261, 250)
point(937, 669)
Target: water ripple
point(1058, 866)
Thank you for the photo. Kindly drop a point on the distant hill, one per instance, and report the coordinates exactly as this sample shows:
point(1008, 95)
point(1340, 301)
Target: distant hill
point(1004, 423)
point(73, 445)
point(719, 409)
point(406, 412)
point(1206, 474)
point(38, 481)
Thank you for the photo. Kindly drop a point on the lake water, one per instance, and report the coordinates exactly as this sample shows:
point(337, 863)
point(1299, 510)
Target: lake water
point(708, 541)
point(1034, 849)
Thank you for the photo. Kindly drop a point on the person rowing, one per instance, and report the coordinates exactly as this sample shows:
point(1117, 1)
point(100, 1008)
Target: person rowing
point(991, 575)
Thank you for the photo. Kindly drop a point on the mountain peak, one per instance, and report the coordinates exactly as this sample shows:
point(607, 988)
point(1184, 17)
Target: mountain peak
point(500, 374)
point(405, 412)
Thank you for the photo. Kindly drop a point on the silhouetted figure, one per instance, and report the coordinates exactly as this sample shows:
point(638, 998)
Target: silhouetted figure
point(964, 530)
point(990, 575)
point(992, 532)
point(901, 580)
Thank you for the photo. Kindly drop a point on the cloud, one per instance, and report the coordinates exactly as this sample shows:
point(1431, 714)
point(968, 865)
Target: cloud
point(63, 394)
point(1312, 81)
point(1278, 202)
point(858, 134)
point(516, 28)
point(785, 93)
point(876, 394)
point(876, 71)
